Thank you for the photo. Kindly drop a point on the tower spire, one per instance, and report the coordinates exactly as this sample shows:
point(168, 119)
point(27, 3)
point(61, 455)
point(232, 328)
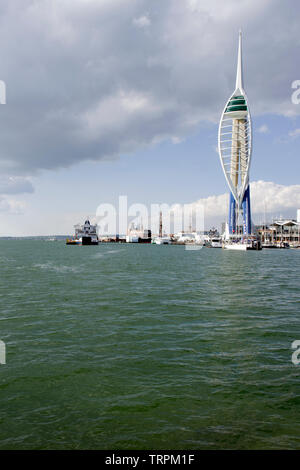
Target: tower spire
point(239, 71)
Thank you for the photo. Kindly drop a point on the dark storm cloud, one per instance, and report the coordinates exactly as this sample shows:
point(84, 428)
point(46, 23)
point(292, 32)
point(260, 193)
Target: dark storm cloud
point(91, 79)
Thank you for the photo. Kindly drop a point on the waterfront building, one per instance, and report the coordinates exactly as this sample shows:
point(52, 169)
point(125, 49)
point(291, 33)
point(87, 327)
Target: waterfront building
point(280, 232)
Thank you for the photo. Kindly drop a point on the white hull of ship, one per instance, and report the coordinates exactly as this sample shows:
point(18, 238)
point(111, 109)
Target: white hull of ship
point(240, 247)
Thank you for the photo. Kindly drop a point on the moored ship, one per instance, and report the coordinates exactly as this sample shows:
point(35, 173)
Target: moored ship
point(84, 235)
point(138, 235)
point(213, 239)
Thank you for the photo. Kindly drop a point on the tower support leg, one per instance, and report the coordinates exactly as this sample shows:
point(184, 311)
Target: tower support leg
point(246, 213)
point(232, 215)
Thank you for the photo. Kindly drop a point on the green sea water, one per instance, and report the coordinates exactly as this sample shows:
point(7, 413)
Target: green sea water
point(148, 347)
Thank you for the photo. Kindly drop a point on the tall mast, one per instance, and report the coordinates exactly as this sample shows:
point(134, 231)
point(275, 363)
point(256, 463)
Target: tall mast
point(239, 71)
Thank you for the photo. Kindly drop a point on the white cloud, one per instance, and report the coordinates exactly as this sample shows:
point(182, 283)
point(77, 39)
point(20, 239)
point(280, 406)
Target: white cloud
point(176, 140)
point(274, 197)
point(11, 206)
point(265, 196)
point(263, 129)
point(142, 21)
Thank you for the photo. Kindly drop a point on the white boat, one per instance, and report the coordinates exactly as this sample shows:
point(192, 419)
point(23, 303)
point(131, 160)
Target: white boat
point(162, 241)
point(213, 239)
point(242, 245)
point(235, 246)
point(132, 238)
point(216, 242)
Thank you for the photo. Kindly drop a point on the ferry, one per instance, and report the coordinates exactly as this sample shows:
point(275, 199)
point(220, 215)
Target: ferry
point(85, 234)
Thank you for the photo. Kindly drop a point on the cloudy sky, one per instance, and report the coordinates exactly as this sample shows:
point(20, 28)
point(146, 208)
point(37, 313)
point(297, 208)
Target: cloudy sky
point(123, 97)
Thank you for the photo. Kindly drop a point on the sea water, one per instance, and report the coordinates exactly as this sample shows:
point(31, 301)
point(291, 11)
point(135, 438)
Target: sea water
point(124, 346)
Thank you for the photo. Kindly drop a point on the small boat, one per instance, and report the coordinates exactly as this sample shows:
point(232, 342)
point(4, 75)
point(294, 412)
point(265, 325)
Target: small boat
point(73, 241)
point(283, 245)
point(268, 245)
point(216, 242)
point(213, 239)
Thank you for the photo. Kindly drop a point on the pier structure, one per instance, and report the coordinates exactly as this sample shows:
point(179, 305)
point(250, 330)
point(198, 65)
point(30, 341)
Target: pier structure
point(235, 149)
